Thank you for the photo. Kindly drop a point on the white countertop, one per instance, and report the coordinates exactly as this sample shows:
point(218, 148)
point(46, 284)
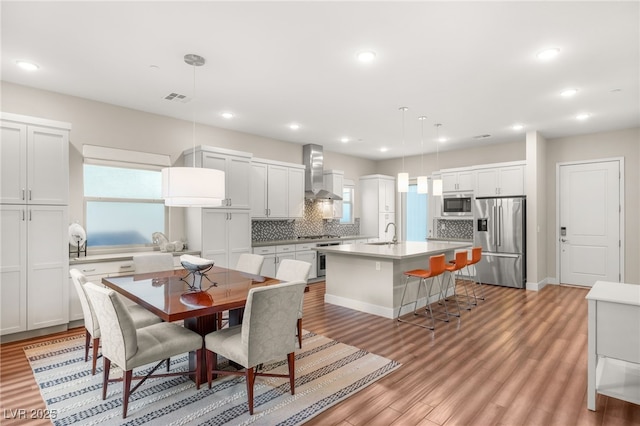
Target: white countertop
point(114, 257)
point(628, 294)
point(402, 250)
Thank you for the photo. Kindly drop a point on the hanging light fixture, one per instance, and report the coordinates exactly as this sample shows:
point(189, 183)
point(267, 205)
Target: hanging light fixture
point(423, 181)
point(437, 183)
point(403, 177)
point(193, 186)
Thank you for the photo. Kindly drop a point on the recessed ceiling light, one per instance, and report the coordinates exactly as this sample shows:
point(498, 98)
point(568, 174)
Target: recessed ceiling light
point(227, 115)
point(517, 127)
point(154, 67)
point(366, 56)
point(582, 116)
point(567, 93)
point(27, 66)
point(547, 54)
point(443, 139)
point(344, 140)
point(294, 126)
point(384, 149)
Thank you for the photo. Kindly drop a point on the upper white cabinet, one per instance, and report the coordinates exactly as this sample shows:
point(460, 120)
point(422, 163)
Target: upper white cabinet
point(219, 235)
point(333, 182)
point(34, 161)
point(235, 164)
point(500, 181)
point(377, 203)
point(277, 190)
point(458, 181)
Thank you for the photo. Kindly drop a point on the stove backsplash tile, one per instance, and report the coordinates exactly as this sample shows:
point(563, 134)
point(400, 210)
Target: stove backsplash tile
point(455, 229)
point(311, 224)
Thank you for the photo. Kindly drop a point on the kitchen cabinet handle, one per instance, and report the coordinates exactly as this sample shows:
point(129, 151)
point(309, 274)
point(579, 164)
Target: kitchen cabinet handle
point(23, 194)
point(89, 270)
point(29, 195)
point(23, 215)
point(126, 266)
point(29, 215)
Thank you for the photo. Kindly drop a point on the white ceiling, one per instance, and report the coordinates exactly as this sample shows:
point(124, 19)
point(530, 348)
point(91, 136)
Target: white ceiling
point(468, 65)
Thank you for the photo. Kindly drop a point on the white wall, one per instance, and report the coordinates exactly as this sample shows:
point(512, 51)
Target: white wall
point(96, 123)
point(621, 143)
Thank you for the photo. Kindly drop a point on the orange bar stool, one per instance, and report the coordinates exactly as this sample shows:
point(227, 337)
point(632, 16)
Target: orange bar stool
point(476, 256)
point(437, 265)
point(454, 268)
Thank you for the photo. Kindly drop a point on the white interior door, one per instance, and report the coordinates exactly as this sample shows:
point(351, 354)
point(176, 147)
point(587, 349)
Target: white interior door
point(589, 225)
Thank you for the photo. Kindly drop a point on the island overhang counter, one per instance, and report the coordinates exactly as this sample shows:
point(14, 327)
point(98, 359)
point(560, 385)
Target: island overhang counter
point(369, 277)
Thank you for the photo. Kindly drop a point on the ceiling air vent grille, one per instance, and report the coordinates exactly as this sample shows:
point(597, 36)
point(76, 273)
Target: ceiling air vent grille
point(177, 97)
point(482, 136)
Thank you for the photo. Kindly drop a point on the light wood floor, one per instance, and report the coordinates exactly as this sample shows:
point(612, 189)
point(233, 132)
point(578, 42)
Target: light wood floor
point(520, 358)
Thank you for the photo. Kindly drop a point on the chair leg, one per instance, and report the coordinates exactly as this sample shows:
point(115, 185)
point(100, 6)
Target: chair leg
point(105, 376)
point(126, 390)
point(96, 345)
point(300, 332)
point(210, 366)
point(198, 367)
point(251, 377)
point(87, 342)
point(291, 361)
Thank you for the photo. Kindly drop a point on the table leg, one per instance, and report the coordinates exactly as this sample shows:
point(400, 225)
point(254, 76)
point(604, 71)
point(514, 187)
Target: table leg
point(201, 325)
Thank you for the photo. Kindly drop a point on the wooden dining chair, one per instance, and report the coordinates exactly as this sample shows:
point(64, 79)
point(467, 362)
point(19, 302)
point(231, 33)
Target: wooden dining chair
point(295, 270)
point(128, 347)
point(140, 316)
point(264, 335)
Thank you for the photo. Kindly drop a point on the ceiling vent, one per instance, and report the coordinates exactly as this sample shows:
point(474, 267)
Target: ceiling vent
point(482, 136)
point(177, 97)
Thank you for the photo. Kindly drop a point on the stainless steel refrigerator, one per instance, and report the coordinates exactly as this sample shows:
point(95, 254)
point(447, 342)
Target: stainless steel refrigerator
point(500, 228)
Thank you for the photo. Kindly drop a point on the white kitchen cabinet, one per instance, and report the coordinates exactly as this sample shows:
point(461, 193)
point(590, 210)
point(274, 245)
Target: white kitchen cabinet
point(34, 161)
point(275, 254)
point(219, 235)
point(34, 291)
point(458, 181)
point(311, 257)
point(377, 204)
point(277, 190)
point(235, 164)
point(333, 182)
point(500, 181)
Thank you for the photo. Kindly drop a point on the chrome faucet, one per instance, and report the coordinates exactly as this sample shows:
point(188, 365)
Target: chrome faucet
point(394, 240)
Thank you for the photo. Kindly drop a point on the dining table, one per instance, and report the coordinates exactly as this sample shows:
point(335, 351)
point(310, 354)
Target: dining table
point(177, 295)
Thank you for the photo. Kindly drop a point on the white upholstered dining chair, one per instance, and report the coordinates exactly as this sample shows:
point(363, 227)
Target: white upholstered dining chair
point(140, 316)
point(295, 270)
point(264, 335)
point(129, 348)
point(250, 263)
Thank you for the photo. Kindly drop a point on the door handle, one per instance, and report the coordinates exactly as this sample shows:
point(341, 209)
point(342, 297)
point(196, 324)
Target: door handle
point(564, 240)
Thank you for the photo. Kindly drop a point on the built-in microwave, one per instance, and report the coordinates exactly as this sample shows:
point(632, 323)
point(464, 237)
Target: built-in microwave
point(457, 205)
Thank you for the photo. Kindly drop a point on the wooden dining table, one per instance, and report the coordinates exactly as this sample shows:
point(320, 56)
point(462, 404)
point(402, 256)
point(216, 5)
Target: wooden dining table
point(171, 296)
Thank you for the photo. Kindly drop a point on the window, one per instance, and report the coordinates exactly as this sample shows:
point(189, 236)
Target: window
point(347, 204)
point(416, 215)
point(123, 206)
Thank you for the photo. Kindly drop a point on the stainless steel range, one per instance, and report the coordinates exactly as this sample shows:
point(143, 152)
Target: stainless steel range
point(322, 257)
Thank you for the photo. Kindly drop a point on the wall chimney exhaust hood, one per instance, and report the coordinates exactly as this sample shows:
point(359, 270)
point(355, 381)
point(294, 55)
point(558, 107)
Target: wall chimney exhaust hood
point(313, 179)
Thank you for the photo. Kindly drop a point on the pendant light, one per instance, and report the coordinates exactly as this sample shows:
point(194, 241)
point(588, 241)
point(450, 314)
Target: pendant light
point(437, 183)
point(403, 177)
point(193, 186)
point(423, 181)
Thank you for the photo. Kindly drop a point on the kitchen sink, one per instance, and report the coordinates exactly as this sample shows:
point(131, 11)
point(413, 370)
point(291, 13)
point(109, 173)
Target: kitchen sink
point(381, 243)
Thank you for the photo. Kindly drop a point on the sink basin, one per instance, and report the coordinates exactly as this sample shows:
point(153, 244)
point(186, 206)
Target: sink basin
point(381, 243)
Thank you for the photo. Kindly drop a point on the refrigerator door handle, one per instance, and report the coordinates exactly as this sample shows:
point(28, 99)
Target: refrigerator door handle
point(495, 223)
point(510, 255)
point(500, 225)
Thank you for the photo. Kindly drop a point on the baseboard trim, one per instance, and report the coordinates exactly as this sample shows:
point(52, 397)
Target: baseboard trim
point(541, 284)
point(360, 306)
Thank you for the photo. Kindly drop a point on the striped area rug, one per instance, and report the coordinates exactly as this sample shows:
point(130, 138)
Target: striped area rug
point(327, 372)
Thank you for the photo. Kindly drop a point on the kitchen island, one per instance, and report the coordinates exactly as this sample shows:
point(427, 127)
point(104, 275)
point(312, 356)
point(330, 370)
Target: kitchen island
point(369, 277)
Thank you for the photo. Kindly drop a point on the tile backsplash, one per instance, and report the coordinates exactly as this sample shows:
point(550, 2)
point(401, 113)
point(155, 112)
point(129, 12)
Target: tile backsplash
point(455, 229)
point(311, 224)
